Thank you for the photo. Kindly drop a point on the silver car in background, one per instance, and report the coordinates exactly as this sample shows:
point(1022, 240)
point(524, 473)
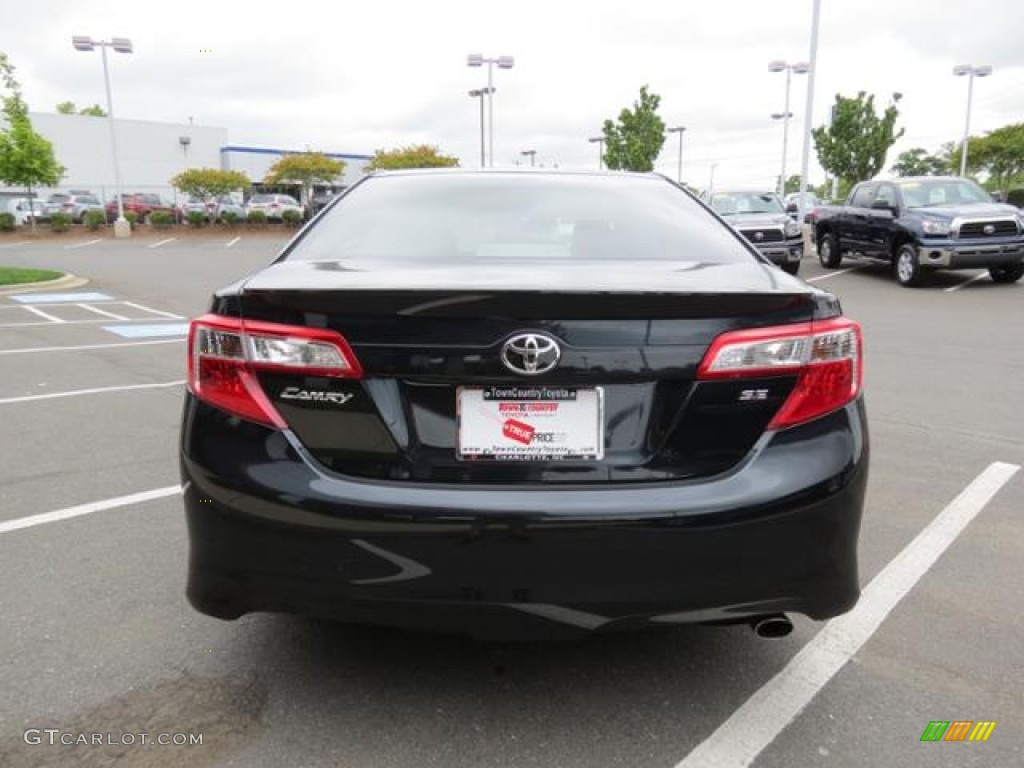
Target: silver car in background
point(74, 204)
point(272, 205)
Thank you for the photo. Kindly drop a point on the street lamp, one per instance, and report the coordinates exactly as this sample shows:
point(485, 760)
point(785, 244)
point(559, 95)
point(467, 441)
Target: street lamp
point(503, 62)
point(972, 72)
point(799, 68)
point(599, 140)
point(122, 45)
point(531, 152)
point(479, 93)
point(711, 182)
point(680, 129)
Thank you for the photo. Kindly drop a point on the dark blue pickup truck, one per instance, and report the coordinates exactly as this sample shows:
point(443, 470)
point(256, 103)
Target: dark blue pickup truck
point(924, 223)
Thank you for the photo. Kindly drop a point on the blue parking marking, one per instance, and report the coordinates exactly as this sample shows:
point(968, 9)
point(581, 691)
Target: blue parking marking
point(146, 331)
point(56, 298)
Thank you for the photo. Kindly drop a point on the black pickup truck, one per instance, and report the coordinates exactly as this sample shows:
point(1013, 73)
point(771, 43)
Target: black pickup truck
point(924, 223)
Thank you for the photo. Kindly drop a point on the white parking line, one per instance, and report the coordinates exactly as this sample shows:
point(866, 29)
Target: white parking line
point(153, 311)
point(82, 245)
point(958, 286)
point(88, 346)
point(162, 242)
point(103, 312)
point(830, 274)
point(37, 311)
point(86, 509)
point(15, 245)
point(232, 242)
point(740, 739)
point(96, 391)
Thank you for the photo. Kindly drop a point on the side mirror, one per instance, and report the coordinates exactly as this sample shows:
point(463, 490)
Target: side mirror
point(882, 205)
point(792, 208)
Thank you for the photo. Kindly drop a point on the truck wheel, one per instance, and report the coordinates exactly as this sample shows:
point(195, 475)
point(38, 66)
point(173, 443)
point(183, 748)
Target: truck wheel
point(906, 266)
point(792, 267)
point(1009, 273)
point(828, 251)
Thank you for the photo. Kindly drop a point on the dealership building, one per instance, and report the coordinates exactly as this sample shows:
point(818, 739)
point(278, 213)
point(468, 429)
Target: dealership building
point(151, 153)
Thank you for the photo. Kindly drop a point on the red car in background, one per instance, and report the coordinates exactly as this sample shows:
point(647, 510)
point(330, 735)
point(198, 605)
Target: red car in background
point(142, 204)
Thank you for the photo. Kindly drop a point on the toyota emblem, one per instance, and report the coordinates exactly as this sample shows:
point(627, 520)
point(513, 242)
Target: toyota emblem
point(759, 235)
point(989, 229)
point(530, 354)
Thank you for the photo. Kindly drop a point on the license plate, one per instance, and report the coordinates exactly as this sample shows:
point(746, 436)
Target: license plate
point(530, 423)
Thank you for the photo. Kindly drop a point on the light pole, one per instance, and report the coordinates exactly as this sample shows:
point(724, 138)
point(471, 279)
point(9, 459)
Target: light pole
point(479, 93)
point(680, 129)
point(805, 154)
point(711, 182)
point(971, 72)
point(503, 62)
point(599, 140)
point(122, 45)
point(800, 68)
point(532, 153)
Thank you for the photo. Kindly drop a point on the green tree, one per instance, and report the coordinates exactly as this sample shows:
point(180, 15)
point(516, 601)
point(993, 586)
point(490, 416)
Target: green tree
point(853, 147)
point(26, 158)
point(792, 184)
point(1000, 153)
point(420, 156)
point(305, 169)
point(210, 182)
point(919, 162)
point(635, 141)
point(69, 108)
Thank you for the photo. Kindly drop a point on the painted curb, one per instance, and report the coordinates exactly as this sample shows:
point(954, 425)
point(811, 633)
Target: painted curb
point(66, 281)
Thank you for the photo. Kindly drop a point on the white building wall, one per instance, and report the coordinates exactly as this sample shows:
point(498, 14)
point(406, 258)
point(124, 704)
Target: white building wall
point(150, 153)
point(254, 162)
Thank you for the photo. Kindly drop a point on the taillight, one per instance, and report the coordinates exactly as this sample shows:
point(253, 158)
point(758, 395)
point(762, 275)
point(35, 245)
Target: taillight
point(825, 356)
point(68, 206)
point(225, 353)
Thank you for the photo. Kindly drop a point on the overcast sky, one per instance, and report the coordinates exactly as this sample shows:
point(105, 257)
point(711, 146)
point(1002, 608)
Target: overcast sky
point(358, 76)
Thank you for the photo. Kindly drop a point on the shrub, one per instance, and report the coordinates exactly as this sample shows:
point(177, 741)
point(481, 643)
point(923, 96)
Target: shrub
point(60, 222)
point(132, 218)
point(196, 219)
point(161, 219)
point(257, 219)
point(93, 220)
point(6, 222)
point(1016, 197)
point(230, 218)
point(291, 218)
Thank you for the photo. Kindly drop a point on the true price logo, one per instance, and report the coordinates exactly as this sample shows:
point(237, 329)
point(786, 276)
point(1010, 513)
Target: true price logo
point(518, 431)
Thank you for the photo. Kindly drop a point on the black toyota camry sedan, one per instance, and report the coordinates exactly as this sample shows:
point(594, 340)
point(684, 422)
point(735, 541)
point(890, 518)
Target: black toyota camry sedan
point(520, 404)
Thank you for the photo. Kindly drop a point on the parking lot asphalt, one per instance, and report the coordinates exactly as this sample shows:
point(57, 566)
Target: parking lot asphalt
point(98, 638)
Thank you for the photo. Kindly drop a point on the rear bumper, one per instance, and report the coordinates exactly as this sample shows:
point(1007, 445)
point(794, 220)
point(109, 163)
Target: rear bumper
point(970, 255)
point(271, 531)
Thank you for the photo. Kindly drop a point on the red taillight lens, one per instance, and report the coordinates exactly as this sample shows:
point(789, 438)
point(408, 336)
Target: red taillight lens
point(225, 353)
point(825, 355)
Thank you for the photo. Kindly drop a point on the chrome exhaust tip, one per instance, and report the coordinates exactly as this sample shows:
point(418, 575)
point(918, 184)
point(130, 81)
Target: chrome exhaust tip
point(776, 625)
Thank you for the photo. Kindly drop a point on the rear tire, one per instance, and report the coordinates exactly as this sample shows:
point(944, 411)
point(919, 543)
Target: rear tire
point(828, 251)
point(1008, 273)
point(792, 267)
point(906, 267)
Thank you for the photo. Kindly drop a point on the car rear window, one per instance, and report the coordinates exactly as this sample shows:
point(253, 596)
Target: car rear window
point(260, 199)
point(488, 218)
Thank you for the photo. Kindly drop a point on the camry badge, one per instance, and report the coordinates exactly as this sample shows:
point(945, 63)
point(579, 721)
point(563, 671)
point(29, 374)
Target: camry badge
point(315, 395)
point(530, 354)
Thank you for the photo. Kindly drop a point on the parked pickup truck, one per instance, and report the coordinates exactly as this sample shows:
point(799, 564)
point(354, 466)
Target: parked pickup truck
point(760, 217)
point(923, 223)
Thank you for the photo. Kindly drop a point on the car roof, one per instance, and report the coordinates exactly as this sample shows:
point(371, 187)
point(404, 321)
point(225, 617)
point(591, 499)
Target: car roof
point(514, 170)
